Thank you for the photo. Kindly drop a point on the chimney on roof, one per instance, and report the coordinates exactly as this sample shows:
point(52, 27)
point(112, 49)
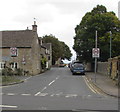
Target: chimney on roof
point(27, 28)
point(34, 27)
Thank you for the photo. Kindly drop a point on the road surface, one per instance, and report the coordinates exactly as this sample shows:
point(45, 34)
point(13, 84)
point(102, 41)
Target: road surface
point(56, 89)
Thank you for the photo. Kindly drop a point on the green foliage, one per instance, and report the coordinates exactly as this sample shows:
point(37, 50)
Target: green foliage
point(7, 72)
point(9, 79)
point(66, 53)
point(59, 48)
point(19, 72)
point(43, 62)
point(102, 21)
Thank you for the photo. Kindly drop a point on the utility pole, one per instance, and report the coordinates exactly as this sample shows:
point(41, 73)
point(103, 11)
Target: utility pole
point(95, 57)
point(110, 44)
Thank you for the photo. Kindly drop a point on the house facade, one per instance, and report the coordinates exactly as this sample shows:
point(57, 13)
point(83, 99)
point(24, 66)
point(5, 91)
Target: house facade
point(46, 52)
point(21, 49)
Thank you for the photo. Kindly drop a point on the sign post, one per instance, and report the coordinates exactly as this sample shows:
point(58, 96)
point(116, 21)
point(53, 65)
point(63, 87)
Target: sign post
point(95, 54)
point(23, 62)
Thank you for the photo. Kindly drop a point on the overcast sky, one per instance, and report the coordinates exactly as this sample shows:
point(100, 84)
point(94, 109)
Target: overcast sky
point(57, 17)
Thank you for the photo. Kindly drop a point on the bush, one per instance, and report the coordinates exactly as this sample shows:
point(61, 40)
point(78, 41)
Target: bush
point(18, 72)
point(7, 72)
point(43, 62)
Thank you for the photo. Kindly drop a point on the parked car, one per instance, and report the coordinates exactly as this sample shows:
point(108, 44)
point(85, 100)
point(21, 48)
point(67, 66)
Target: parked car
point(62, 64)
point(72, 64)
point(78, 68)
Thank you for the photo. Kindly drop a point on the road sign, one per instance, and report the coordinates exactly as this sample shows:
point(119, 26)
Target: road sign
point(23, 61)
point(95, 52)
point(13, 51)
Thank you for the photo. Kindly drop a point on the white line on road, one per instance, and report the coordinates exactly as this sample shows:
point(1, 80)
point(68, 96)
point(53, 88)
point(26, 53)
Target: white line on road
point(37, 93)
point(52, 95)
point(46, 86)
point(43, 94)
point(44, 89)
point(8, 106)
point(71, 95)
point(27, 78)
point(57, 77)
point(25, 94)
point(41, 91)
point(10, 94)
point(51, 82)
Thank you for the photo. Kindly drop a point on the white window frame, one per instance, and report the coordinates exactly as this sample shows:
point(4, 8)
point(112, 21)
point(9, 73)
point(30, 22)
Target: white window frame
point(2, 65)
point(13, 65)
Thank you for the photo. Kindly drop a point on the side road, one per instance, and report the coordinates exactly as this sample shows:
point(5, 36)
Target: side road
point(103, 83)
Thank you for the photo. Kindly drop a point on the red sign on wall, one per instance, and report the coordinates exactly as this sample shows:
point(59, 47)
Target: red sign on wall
point(13, 51)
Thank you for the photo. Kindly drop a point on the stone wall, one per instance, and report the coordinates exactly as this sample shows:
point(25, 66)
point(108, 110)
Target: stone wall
point(102, 67)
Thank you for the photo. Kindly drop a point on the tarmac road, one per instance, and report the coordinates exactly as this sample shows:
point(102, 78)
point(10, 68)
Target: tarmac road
point(56, 89)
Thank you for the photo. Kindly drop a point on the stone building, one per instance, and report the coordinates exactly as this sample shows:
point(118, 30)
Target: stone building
point(21, 49)
point(48, 47)
point(46, 52)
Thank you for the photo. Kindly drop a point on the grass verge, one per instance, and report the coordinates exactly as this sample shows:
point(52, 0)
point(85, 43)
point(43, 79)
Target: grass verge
point(4, 80)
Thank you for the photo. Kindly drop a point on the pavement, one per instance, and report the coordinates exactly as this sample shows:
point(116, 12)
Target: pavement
point(104, 83)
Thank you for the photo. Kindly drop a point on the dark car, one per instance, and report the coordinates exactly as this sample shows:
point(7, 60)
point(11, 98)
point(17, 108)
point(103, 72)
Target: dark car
point(78, 69)
point(74, 62)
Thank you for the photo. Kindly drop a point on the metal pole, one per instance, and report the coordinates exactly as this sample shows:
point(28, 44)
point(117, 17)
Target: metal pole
point(96, 39)
point(95, 57)
point(110, 43)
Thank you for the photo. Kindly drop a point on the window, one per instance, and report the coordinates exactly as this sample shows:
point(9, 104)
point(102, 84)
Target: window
point(2, 65)
point(14, 65)
point(48, 57)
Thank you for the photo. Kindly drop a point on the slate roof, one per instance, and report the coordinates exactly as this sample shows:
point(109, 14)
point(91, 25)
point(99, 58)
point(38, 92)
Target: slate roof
point(20, 38)
point(47, 45)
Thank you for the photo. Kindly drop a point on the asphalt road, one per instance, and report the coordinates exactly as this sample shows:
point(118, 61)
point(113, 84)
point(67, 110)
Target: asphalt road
point(56, 89)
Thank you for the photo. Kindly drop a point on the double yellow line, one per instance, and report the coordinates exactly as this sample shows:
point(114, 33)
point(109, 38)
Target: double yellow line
point(91, 86)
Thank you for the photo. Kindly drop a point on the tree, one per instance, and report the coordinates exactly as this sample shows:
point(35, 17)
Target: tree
point(66, 53)
point(102, 21)
point(59, 48)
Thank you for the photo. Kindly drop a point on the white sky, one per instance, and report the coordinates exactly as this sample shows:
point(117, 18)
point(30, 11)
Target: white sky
point(57, 17)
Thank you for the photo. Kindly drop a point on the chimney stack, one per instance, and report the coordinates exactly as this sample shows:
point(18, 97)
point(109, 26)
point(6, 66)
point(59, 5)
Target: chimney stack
point(34, 27)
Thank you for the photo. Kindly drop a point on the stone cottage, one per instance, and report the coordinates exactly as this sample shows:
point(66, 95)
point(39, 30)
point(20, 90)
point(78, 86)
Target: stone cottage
point(46, 52)
point(21, 49)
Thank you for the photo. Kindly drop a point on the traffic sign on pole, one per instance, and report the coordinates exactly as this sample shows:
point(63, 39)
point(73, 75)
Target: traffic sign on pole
point(23, 61)
point(95, 52)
